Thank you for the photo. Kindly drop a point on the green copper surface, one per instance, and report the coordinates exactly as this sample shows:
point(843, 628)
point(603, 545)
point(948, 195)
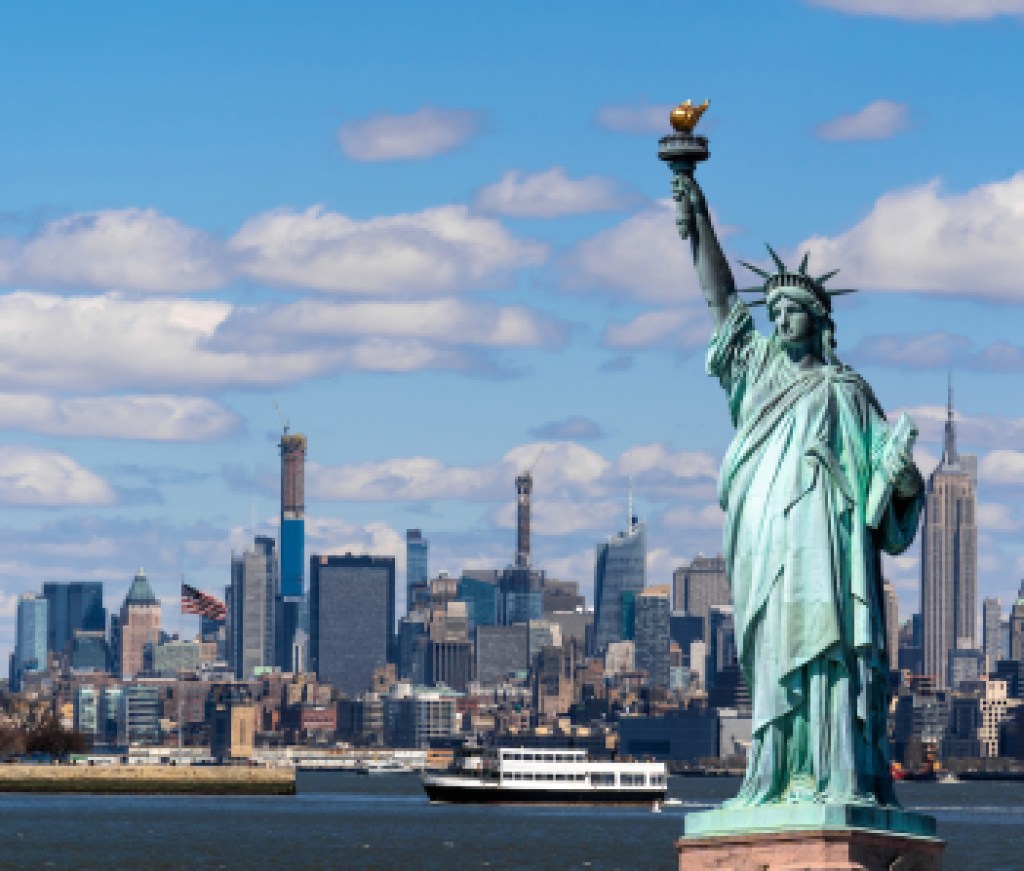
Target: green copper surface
point(776, 817)
point(815, 486)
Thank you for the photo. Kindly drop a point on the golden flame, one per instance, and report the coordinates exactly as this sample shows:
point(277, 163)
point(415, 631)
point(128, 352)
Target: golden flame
point(685, 116)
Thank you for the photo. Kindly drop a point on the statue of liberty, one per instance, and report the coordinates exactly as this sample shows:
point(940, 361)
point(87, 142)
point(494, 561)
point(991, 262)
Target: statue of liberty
point(815, 485)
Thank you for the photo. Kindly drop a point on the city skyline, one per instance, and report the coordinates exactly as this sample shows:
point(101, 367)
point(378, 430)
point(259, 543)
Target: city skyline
point(444, 251)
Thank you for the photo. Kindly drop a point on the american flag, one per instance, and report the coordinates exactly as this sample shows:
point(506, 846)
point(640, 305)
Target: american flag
point(194, 601)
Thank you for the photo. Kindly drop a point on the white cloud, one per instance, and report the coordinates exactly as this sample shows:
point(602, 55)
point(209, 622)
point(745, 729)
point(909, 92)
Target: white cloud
point(414, 478)
point(924, 458)
point(424, 133)
point(981, 431)
point(937, 350)
point(576, 566)
point(127, 249)
point(661, 563)
point(111, 342)
point(998, 357)
point(687, 517)
point(561, 470)
point(635, 118)
point(996, 517)
point(1002, 467)
point(642, 258)
point(678, 327)
point(327, 536)
point(927, 10)
point(562, 516)
point(881, 119)
point(156, 418)
point(437, 250)
point(445, 321)
point(434, 251)
point(933, 350)
point(655, 459)
point(920, 239)
point(550, 194)
point(33, 477)
point(558, 466)
point(98, 343)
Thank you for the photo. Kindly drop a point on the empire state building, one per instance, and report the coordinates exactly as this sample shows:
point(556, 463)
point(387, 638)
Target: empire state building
point(949, 557)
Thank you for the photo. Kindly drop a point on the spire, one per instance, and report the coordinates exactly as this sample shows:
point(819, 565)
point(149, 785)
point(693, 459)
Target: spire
point(949, 453)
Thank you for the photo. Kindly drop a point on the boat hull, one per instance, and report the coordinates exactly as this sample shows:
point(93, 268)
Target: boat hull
point(475, 794)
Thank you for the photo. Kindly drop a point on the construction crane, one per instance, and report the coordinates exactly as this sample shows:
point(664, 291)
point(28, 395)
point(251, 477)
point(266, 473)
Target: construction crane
point(284, 420)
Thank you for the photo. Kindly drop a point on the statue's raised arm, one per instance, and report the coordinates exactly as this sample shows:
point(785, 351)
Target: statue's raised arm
point(694, 223)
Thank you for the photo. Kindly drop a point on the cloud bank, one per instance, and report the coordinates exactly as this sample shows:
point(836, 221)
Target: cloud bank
point(550, 194)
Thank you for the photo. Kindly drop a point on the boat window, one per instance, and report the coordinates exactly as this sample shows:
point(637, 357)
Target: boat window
point(632, 779)
point(603, 778)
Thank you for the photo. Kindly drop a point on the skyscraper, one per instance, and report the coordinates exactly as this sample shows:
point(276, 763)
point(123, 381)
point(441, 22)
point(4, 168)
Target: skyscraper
point(620, 567)
point(351, 618)
point(417, 551)
point(651, 634)
point(254, 587)
point(991, 624)
point(520, 586)
point(701, 586)
point(892, 624)
point(30, 637)
point(524, 491)
point(140, 624)
point(77, 605)
point(1017, 626)
point(293, 544)
point(949, 557)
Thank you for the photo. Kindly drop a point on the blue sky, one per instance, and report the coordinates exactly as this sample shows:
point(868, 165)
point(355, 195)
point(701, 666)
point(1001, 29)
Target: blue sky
point(437, 237)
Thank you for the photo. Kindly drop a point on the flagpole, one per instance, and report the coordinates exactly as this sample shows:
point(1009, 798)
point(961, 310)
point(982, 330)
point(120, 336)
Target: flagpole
point(181, 641)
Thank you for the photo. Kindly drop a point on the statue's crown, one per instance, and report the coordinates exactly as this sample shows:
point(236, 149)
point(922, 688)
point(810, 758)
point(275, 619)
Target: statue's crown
point(785, 277)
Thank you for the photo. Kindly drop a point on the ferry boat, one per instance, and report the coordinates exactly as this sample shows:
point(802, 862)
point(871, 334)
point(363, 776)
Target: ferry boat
point(509, 775)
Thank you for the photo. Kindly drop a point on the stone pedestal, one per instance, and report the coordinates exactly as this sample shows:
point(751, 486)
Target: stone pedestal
point(808, 850)
point(810, 837)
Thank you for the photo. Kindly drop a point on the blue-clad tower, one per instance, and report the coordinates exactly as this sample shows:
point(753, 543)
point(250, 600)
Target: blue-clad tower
point(293, 546)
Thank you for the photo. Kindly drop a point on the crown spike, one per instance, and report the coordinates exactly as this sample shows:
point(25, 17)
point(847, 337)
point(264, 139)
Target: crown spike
point(752, 268)
point(821, 279)
point(803, 263)
point(778, 260)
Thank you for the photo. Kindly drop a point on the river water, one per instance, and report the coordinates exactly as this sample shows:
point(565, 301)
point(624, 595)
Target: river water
point(342, 820)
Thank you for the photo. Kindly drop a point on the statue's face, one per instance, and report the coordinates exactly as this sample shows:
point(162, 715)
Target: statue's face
point(794, 324)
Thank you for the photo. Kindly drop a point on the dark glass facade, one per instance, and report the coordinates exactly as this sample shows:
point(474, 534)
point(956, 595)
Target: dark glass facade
point(351, 618)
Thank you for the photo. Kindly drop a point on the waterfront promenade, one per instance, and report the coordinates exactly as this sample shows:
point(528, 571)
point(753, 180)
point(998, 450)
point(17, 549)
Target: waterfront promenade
point(151, 779)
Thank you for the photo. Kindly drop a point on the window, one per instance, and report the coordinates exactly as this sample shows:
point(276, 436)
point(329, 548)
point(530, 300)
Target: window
point(603, 778)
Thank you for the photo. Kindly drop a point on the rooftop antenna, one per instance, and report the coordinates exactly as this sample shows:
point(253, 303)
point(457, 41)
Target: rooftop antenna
point(252, 505)
point(536, 459)
point(629, 509)
point(284, 421)
point(950, 440)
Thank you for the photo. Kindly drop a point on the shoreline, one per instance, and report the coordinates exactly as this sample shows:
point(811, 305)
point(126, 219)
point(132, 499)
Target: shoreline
point(147, 779)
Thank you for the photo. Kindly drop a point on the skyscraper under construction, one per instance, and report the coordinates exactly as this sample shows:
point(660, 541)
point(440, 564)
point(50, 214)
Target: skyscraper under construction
point(293, 543)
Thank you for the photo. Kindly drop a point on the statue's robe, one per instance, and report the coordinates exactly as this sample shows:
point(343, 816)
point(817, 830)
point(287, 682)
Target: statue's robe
point(804, 567)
